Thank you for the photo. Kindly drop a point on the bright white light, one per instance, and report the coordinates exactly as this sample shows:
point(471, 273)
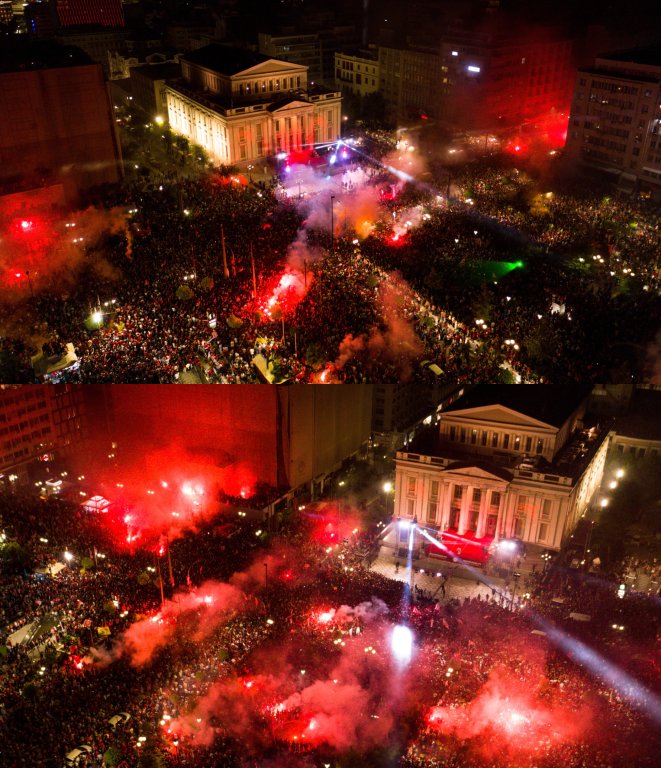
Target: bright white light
point(401, 644)
point(404, 524)
point(619, 474)
point(473, 68)
point(332, 160)
point(68, 557)
point(159, 120)
point(387, 487)
point(509, 546)
point(97, 317)
point(455, 53)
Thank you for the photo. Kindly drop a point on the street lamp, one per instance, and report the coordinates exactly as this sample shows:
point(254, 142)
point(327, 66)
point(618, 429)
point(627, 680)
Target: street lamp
point(387, 487)
point(68, 557)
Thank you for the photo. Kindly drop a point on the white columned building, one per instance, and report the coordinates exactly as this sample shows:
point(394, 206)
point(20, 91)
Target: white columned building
point(494, 469)
point(244, 107)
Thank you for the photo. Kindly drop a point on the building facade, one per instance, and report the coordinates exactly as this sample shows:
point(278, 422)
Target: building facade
point(243, 107)
point(499, 77)
point(400, 410)
point(492, 470)
point(358, 75)
point(284, 437)
point(149, 85)
point(410, 82)
point(62, 128)
point(36, 422)
point(615, 121)
point(305, 50)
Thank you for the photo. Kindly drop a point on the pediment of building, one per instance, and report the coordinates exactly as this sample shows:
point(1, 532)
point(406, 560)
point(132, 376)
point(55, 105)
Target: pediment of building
point(496, 415)
point(269, 68)
point(291, 106)
point(465, 470)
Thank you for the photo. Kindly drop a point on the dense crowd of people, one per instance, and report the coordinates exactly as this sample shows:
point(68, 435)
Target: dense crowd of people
point(564, 284)
point(64, 688)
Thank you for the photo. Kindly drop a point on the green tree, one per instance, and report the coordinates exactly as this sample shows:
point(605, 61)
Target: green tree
point(112, 757)
point(14, 558)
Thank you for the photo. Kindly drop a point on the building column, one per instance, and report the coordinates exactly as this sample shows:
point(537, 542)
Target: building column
point(465, 505)
point(501, 525)
point(482, 519)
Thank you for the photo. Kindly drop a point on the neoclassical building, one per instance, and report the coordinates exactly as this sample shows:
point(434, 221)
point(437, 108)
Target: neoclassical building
point(505, 461)
point(243, 107)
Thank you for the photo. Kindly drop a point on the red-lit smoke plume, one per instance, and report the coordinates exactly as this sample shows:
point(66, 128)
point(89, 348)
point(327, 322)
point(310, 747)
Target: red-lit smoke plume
point(508, 715)
point(395, 342)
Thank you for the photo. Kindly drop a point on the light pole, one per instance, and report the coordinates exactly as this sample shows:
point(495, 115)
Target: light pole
point(332, 199)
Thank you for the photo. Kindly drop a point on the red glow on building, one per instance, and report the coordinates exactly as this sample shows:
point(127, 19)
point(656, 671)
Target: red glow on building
point(467, 547)
point(106, 13)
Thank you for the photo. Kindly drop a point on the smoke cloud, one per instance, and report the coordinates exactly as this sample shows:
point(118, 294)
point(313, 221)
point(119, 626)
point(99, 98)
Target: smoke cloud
point(395, 342)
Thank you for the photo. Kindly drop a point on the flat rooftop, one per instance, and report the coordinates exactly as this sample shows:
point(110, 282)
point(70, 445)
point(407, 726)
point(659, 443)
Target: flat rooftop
point(643, 419)
point(649, 55)
point(24, 55)
point(552, 403)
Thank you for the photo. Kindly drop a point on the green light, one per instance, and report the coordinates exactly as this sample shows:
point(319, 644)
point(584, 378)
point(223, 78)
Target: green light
point(497, 269)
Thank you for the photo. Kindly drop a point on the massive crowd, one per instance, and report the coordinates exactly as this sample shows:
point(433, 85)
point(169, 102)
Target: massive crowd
point(56, 694)
point(579, 299)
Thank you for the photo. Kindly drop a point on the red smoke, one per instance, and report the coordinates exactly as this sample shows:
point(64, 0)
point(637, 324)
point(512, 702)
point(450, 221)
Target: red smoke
point(170, 490)
point(53, 249)
point(508, 715)
point(203, 611)
point(396, 343)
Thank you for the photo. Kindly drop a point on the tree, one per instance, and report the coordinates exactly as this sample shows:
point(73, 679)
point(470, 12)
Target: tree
point(184, 293)
point(112, 756)
point(14, 558)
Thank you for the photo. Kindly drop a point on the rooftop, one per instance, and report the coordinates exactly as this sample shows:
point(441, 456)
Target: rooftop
point(650, 55)
point(552, 403)
point(168, 70)
point(570, 462)
point(225, 60)
point(20, 55)
point(643, 419)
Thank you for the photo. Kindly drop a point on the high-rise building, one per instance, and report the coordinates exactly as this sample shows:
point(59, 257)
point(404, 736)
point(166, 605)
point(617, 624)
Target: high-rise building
point(37, 422)
point(297, 49)
point(615, 121)
point(6, 11)
point(57, 126)
point(410, 82)
point(107, 13)
point(522, 462)
point(499, 75)
point(399, 410)
point(286, 437)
